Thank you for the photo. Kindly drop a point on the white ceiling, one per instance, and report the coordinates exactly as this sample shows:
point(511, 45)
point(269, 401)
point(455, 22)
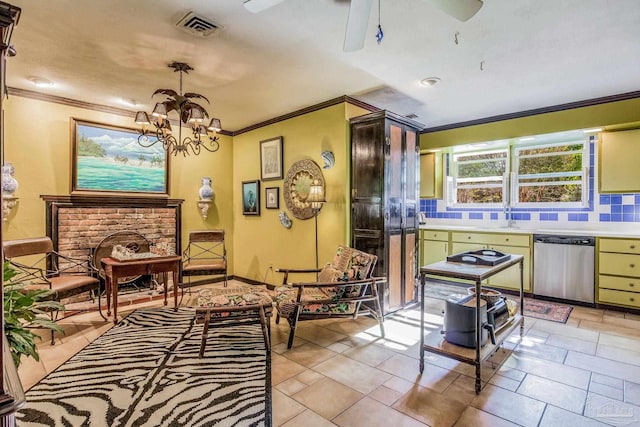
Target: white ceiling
point(513, 55)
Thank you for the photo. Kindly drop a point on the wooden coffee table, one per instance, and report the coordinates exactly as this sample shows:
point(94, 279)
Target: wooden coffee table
point(234, 306)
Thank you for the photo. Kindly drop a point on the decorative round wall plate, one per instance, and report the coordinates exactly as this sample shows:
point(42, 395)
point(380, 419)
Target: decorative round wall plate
point(296, 187)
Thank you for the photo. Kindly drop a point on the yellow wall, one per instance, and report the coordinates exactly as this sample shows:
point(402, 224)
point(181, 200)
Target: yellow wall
point(261, 241)
point(37, 142)
point(608, 116)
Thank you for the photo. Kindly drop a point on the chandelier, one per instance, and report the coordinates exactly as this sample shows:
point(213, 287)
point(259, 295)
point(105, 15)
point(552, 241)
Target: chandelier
point(190, 114)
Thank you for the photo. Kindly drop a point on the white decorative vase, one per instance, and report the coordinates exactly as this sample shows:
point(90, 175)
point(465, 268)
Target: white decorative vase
point(206, 192)
point(9, 183)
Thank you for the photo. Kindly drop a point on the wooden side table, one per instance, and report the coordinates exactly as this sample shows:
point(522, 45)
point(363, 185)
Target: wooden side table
point(115, 269)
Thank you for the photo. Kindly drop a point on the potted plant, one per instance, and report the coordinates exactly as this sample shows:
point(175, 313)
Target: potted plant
point(26, 309)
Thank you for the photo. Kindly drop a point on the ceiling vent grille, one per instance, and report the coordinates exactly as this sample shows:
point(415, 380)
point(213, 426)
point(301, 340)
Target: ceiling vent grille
point(197, 25)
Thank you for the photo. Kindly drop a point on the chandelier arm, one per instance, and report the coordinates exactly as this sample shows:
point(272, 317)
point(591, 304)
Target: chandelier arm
point(145, 141)
point(213, 143)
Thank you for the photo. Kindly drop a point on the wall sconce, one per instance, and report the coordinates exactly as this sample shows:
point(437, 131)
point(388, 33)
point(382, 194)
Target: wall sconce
point(8, 203)
point(204, 206)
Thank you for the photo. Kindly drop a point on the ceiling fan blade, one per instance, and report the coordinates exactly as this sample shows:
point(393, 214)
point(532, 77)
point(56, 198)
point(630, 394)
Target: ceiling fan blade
point(255, 6)
point(357, 24)
point(462, 10)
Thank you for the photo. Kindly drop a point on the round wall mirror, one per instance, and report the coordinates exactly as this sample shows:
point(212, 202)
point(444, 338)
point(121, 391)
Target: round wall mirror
point(296, 187)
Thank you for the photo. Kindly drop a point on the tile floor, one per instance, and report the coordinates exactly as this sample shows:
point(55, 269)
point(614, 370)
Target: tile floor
point(340, 372)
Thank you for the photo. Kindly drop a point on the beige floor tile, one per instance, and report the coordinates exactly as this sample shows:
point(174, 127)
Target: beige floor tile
point(339, 347)
point(627, 322)
point(613, 329)
point(291, 386)
point(462, 389)
point(590, 314)
point(509, 405)
point(309, 377)
point(557, 394)
point(30, 372)
point(399, 384)
point(472, 417)
point(614, 313)
point(554, 417)
point(632, 393)
point(433, 377)
point(619, 354)
point(430, 407)
point(308, 419)
point(282, 369)
point(352, 373)
point(607, 391)
point(308, 354)
point(569, 343)
point(370, 413)
point(566, 330)
point(327, 397)
point(632, 316)
point(385, 395)
point(284, 408)
point(620, 342)
point(541, 351)
point(318, 335)
point(370, 354)
point(504, 382)
point(574, 376)
point(603, 366)
point(609, 411)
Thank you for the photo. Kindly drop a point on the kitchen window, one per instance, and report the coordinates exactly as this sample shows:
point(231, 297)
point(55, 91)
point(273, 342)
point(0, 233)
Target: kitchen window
point(553, 173)
point(478, 177)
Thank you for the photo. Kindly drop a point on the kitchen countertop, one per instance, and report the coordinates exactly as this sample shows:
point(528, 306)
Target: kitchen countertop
point(634, 232)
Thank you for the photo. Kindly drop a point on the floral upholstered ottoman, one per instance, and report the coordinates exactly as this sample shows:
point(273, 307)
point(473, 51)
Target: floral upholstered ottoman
point(234, 306)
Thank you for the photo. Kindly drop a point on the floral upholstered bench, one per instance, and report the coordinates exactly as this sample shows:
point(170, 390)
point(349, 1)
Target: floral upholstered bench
point(342, 288)
point(233, 306)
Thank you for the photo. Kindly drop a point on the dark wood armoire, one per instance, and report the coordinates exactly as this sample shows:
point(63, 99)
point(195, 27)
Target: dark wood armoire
point(385, 200)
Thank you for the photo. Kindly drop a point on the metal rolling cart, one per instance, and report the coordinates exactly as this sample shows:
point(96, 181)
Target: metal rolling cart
point(434, 342)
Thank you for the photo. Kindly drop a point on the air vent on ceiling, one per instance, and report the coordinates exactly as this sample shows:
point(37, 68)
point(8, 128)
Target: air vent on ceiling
point(411, 116)
point(197, 25)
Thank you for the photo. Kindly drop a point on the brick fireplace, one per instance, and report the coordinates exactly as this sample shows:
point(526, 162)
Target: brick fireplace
point(77, 223)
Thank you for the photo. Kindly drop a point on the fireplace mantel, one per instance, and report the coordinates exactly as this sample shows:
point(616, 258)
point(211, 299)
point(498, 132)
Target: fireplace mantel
point(120, 201)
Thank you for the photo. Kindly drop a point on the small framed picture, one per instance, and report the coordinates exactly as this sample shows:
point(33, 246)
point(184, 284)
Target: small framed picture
point(251, 197)
point(271, 159)
point(272, 197)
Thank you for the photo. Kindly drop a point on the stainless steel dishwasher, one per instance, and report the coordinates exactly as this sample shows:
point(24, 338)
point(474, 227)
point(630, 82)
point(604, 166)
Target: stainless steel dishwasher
point(563, 267)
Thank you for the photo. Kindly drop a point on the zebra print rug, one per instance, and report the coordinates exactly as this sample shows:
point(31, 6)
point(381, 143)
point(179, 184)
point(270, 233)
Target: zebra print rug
point(145, 371)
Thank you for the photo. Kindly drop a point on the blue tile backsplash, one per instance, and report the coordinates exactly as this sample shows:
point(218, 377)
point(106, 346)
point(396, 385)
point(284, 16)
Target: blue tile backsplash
point(602, 208)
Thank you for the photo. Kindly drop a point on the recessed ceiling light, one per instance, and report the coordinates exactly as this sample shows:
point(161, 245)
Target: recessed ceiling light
point(592, 130)
point(429, 81)
point(40, 81)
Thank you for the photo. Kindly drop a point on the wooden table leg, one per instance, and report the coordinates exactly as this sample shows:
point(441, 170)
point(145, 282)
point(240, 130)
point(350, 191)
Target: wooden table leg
point(165, 277)
point(107, 286)
point(205, 331)
point(176, 279)
point(114, 296)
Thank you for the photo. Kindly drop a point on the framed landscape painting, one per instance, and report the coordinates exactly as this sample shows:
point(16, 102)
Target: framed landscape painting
point(109, 159)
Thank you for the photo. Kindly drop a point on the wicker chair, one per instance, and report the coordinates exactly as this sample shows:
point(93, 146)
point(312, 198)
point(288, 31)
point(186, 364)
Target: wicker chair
point(341, 291)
